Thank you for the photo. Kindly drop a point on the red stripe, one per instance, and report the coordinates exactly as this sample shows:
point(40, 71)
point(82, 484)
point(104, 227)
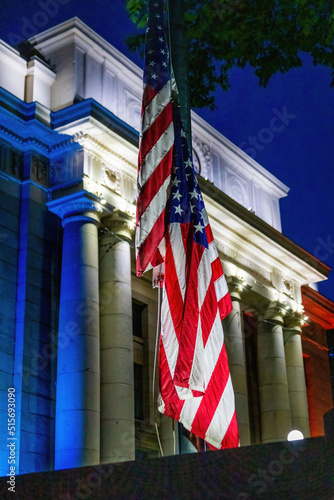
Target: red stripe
point(209, 234)
point(148, 252)
point(187, 340)
point(225, 305)
point(148, 95)
point(231, 438)
point(212, 395)
point(217, 270)
point(155, 131)
point(208, 312)
point(172, 286)
point(154, 183)
point(173, 405)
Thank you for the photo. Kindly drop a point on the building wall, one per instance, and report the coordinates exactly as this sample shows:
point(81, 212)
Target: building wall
point(9, 250)
point(318, 380)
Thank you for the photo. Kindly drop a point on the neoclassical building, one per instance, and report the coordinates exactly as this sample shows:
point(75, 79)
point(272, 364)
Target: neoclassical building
point(77, 328)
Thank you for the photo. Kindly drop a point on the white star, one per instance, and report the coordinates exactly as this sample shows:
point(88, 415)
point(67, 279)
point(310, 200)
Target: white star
point(164, 64)
point(157, 16)
point(178, 210)
point(194, 194)
point(162, 51)
point(154, 76)
point(199, 227)
point(177, 195)
point(150, 51)
point(156, 5)
point(152, 63)
point(183, 134)
point(159, 28)
point(147, 29)
point(187, 175)
point(192, 208)
point(188, 163)
point(176, 182)
point(161, 39)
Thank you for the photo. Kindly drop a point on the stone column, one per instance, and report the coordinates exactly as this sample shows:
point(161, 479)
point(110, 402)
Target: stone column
point(296, 374)
point(169, 439)
point(273, 382)
point(77, 441)
point(117, 384)
point(235, 348)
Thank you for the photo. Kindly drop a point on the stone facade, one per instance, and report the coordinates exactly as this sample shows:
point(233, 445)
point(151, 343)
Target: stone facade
point(77, 328)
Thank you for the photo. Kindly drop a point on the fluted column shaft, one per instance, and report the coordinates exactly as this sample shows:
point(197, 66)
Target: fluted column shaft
point(117, 384)
point(272, 374)
point(296, 375)
point(235, 348)
point(77, 441)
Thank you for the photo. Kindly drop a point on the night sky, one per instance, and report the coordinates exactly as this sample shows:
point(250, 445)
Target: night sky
point(299, 155)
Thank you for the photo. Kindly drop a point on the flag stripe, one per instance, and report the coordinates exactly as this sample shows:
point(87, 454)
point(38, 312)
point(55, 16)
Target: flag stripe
point(146, 252)
point(153, 212)
point(154, 183)
point(223, 414)
point(155, 106)
point(168, 336)
point(156, 155)
point(158, 127)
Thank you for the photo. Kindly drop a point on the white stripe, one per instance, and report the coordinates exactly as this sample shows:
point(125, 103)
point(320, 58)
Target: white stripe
point(196, 381)
point(223, 415)
point(213, 252)
point(156, 106)
point(204, 274)
point(179, 255)
point(221, 287)
point(183, 392)
point(205, 217)
point(161, 404)
point(189, 411)
point(168, 335)
point(155, 155)
point(212, 348)
point(151, 214)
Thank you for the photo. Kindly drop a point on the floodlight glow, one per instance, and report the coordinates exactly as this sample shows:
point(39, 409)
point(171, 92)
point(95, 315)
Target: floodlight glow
point(295, 435)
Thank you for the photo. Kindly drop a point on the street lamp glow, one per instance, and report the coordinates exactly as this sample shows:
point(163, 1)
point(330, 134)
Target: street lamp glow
point(295, 435)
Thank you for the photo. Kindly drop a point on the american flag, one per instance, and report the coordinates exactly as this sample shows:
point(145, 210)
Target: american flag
point(156, 144)
point(195, 383)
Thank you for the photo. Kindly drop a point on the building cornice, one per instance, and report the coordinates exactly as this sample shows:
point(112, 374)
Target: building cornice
point(318, 308)
point(90, 108)
point(257, 232)
point(76, 29)
point(249, 166)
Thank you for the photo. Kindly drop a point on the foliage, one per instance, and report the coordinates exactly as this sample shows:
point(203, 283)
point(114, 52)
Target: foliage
point(270, 35)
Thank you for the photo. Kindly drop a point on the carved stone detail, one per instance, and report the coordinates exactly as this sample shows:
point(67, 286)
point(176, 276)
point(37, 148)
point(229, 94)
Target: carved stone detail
point(111, 179)
point(39, 170)
point(203, 152)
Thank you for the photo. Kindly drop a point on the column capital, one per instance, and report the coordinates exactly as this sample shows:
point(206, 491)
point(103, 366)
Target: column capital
point(275, 312)
point(118, 223)
point(294, 321)
point(80, 204)
point(236, 287)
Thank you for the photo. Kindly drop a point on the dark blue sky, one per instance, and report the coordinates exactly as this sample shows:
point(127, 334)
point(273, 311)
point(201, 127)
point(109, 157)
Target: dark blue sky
point(299, 154)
